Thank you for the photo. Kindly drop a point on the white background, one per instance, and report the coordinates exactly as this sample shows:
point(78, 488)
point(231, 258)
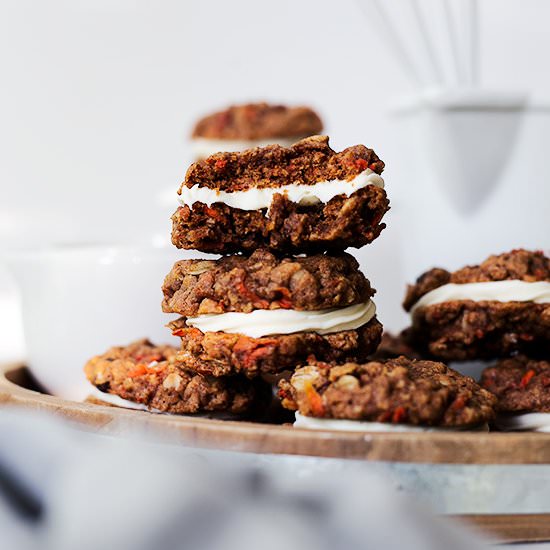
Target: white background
point(97, 99)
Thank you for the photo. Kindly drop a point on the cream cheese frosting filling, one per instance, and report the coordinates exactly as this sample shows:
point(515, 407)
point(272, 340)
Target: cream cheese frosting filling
point(339, 424)
point(497, 291)
point(255, 198)
point(204, 147)
point(535, 422)
point(266, 322)
point(116, 400)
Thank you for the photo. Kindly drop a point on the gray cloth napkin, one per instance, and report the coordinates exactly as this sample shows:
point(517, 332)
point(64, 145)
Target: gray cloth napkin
point(65, 489)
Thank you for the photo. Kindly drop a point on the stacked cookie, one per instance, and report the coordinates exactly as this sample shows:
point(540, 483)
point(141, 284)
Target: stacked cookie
point(287, 291)
point(301, 199)
point(264, 314)
point(499, 309)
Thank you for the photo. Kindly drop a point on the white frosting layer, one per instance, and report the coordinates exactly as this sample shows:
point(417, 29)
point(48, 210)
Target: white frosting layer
point(256, 199)
point(118, 401)
point(498, 291)
point(204, 147)
point(265, 322)
point(536, 422)
point(363, 426)
point(125, 404)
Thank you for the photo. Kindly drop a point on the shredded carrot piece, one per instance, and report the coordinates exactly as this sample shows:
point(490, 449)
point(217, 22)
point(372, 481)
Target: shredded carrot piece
point(315, 400)
point(362, 164)
point(527, 378)
point(458, 403)
point(213, 213)
point(251, 351)
point(183, 331)
point(398, 414)
point(253, 297)
point(284, 301)
point(138, 370)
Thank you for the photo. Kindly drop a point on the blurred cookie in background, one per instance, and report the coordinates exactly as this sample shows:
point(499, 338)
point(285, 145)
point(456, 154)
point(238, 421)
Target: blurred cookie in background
point(393, 346)
point(250, 125)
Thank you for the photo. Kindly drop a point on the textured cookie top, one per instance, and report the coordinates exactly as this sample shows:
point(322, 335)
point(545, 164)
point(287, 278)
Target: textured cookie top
point(307, 162)
point(152, 376)
point(264, 281)
point(141, 352)
point(259, 121)
point(398, 390)
point(522, 265)
point(520, 384)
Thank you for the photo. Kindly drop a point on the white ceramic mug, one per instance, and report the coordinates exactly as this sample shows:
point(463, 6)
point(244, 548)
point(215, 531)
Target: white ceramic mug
point(472, 175)
point(78, 301)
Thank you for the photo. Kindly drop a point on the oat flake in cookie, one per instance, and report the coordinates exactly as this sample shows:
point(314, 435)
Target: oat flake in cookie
point(396, 391)
point(300, 199)
point(522, 388)
point(151, 376)
point(494, 309)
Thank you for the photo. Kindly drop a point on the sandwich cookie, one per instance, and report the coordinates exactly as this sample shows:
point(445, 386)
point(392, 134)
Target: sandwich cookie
point(382, 395)
point(300, 199)
point(144, 376)
point(494, 309)
point(263, 314)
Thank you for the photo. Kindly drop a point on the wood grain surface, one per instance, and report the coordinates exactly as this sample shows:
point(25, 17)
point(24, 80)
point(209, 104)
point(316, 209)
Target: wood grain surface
point(431, 447)
point(510, 528)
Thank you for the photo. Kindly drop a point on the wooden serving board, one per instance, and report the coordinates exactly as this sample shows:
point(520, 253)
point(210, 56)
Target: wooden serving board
point(430, 447)
point(16, 389)
point(510, 528)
